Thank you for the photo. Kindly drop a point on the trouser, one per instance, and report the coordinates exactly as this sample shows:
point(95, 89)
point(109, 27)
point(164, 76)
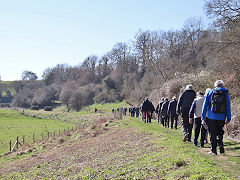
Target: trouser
point(132, 114)
point(174, 119)
point(150, 117)
point(137, 114)
point(186, 126)
point(161, 120)
point(197, 127)
point(146, 116)
point(166, 121)
point(215, 128)
point(158, 117)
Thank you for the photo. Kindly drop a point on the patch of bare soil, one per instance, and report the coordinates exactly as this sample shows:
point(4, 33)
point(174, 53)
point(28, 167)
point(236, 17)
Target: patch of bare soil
point(94, 148)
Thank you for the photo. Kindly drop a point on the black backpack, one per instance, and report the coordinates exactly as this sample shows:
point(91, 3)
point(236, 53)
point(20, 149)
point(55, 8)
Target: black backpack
point(218, 101)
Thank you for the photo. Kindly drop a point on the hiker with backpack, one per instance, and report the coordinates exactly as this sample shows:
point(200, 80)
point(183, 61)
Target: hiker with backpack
point(195, 113)
point(217, 105)
point(183, 108)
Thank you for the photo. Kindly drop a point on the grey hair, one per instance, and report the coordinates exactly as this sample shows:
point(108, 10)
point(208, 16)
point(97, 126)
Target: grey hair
point(219, 83)
point(189, 87)
point(174, 98)
point(199, 93)
point(207, 90)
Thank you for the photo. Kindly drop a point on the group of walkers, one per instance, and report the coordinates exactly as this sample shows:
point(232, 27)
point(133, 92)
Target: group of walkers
point(120, 111)
point(206, 112)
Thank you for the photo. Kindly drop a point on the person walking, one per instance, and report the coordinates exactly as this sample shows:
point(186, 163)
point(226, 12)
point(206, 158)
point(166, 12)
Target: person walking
point(183, 108)
point(172, 112)
point(137, 111)
point(195, 113)
point(164, 113)
point(158, 111)
point(206, 92)
point(217, 105)
point(147, 108)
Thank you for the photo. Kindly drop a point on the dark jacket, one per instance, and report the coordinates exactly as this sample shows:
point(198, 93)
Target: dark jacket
point(172, 108)
point(147, 106)
point(159, 106)
point(164, 109)
point(185, 101)
point(137, 109)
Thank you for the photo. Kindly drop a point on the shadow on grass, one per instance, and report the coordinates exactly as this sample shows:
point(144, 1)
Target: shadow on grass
point(234, 148)
point(231, 144)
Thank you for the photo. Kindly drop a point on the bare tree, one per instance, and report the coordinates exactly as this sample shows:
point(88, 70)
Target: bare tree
point(89, 64)
point(223, 11)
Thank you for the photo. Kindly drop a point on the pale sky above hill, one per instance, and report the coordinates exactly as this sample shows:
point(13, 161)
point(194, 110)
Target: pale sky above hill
point(37, 34)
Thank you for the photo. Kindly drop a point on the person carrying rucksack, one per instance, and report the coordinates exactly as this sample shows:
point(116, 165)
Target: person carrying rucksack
point(217, 105)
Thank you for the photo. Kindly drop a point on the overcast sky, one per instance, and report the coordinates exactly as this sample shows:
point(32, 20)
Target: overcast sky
point(37, 34)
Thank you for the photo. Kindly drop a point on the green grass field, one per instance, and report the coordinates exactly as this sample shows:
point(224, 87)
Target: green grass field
point(13, 124)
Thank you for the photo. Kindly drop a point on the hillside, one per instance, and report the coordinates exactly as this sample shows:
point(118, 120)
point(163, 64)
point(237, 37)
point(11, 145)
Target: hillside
point(108, 147)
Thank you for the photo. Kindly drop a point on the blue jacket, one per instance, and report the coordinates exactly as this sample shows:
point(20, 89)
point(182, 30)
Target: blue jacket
point(207, 107)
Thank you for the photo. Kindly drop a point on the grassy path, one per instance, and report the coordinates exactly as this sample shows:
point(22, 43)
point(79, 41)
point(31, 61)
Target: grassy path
point(120, 149)
point(183, 160)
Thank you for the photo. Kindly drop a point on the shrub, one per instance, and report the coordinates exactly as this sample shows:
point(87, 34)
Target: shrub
point(106, 96)
point(23, 98)
point(35, 107)
point(48, 108)
point(46, 96)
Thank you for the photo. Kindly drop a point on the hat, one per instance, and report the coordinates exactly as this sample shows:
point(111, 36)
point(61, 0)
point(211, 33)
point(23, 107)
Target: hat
point(189, 87)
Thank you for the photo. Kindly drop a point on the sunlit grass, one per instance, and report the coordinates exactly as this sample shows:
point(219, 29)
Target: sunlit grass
point(14, 124)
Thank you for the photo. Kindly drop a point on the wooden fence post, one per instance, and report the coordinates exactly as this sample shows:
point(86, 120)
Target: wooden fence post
point(54, 134)
point(10, 143)
point(59, 132)
point(48, 135)
point(17, 142)
point(23, 139)
point(33, 138)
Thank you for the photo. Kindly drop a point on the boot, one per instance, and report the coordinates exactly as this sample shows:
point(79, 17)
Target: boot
point(222, 150)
